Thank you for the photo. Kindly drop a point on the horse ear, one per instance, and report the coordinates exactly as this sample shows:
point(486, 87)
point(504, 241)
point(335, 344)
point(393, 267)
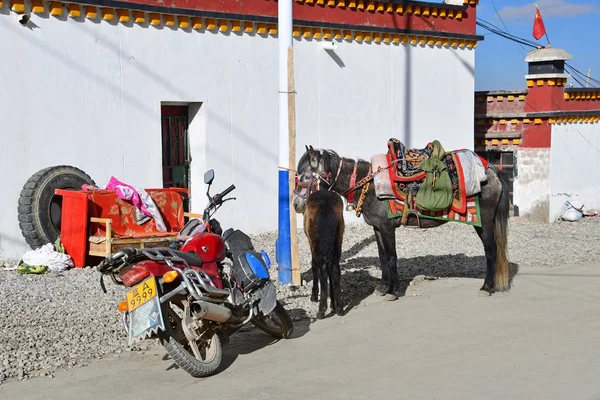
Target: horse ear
point(307, 150)
point(313, 158)
point(311, 148)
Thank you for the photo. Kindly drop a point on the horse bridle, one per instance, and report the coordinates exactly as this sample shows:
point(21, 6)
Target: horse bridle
point(364, 183)
point(349, 193)
point(315, 180)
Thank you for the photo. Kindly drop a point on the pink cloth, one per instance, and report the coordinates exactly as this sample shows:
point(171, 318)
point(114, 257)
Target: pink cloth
point(127, 192)
point(141, 200)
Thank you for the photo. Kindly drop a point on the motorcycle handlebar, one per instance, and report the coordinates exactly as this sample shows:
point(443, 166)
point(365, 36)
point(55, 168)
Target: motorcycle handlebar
point(116, 256)
point(112, 259)
point(216, 200)
point(227, 191)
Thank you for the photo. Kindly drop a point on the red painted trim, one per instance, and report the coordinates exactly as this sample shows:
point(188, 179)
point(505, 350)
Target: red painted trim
point(251, 7)
point(552, 98)
point(543, 98)
point(546, 100)
point(560, 104)
point(387, 20)
point(578, 105)
point(501, 107)
point(315, 13)
point(537, 136)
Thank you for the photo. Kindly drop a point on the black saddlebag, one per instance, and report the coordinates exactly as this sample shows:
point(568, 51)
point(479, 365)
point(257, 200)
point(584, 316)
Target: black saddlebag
point(250, 269)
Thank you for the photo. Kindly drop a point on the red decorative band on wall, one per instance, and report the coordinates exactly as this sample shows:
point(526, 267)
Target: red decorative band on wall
point(266, 11)
point(537, 136)
point(465, 26)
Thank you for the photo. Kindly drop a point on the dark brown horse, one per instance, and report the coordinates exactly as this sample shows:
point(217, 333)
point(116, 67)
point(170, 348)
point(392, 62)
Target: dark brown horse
point(324, 228)
point(335, 173)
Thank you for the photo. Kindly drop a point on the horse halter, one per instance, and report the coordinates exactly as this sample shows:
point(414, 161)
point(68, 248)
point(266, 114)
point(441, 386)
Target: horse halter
point(313, 182)
point(322, 176)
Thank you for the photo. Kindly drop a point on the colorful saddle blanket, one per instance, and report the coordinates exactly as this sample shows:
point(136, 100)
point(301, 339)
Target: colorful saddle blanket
point(471, 216)
point(465, 168)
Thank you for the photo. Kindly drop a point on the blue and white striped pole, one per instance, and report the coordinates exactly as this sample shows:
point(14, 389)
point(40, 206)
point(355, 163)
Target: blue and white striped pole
point(284, 242)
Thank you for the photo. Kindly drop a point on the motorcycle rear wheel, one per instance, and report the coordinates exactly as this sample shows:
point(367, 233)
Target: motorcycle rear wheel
point(180, 350)
point(280, 327)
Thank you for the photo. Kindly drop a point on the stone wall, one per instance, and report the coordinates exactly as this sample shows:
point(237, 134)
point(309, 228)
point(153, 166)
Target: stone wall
point(532, 184)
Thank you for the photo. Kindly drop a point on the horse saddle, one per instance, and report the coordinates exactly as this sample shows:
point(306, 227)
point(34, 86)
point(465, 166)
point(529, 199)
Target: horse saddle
point(404, 171)
point(404, 174)
point(408, 169)
point(408, 161)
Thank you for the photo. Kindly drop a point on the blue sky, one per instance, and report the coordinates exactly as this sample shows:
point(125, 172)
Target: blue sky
point(573, 25)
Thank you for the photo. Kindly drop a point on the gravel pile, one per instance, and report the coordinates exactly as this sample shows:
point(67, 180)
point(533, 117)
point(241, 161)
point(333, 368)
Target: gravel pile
point(63, 320)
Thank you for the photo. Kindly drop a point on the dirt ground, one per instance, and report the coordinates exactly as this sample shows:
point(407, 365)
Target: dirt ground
point(440, 341)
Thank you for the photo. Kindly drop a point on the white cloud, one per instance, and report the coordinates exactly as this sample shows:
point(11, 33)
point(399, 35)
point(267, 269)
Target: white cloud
point(548, 8)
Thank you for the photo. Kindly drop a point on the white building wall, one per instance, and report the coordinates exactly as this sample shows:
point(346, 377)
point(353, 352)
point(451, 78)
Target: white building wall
point(532, 183)
point(88, 94)
point(574, 166)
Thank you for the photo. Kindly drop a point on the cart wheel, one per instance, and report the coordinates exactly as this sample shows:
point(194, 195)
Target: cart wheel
point(39, 209)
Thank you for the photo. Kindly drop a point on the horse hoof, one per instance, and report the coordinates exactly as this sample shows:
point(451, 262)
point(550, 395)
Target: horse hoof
point(320, 315)
point(378, 292)
point(390, 297)
point(484, 293)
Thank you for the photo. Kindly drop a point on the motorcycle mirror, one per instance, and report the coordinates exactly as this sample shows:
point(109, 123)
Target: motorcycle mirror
point(209, 176)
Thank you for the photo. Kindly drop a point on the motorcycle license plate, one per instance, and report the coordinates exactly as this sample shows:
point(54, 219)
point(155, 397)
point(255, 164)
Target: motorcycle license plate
point(145, 314)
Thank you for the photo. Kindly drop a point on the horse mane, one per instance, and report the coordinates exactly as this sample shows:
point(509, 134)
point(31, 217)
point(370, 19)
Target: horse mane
point(304, 159)
point(331, 159)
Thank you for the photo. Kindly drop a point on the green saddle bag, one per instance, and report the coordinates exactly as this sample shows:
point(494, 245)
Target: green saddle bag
point(435, 193)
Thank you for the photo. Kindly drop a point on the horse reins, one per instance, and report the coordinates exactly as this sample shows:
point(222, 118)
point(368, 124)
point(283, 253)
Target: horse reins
point(365, 183)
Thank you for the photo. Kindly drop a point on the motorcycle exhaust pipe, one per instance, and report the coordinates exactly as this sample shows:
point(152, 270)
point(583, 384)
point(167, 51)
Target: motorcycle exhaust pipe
point(210, 311)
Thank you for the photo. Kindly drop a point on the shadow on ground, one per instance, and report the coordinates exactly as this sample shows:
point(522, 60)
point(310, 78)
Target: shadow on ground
point(358, 280)
point(360, 275)
point(250, 340)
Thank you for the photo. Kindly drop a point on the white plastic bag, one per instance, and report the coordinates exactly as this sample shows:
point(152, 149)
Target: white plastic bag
point(574, 210)
point(46, 255)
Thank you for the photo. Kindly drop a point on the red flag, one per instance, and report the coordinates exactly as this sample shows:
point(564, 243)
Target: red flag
point(539, 29)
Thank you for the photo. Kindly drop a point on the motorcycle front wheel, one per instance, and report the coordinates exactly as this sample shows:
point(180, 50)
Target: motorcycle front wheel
point(277, 323)
point(200, 358)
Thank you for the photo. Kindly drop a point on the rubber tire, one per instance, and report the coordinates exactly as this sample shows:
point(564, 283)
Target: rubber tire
point(36, 198)
point(184, 359)
point(187, 362)
point(284, 317)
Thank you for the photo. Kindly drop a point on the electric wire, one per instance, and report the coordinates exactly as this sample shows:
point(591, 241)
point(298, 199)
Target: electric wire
point(521, 48)
point(575, 73)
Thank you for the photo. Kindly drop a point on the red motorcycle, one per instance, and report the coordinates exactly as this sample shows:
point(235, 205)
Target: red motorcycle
point(195, 294)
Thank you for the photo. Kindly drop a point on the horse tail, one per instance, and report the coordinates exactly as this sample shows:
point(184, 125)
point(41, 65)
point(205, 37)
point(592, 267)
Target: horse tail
point(501, 281)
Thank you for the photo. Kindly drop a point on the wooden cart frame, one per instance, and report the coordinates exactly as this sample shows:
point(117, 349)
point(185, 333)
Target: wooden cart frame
point(111, 244)
point(75, 233)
